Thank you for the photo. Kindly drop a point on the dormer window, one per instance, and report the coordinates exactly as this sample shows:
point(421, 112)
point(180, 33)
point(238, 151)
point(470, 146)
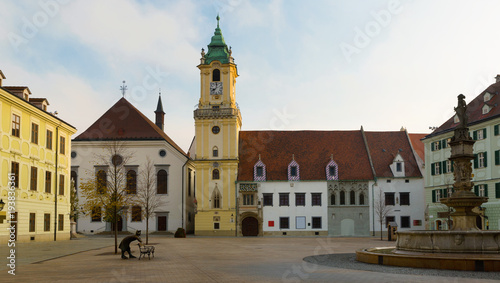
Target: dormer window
point(216, 75)
point(486, 109)
point(332, 171)
point(259, 171)
point(487, 96)
point(398, 166)
point(293, 171)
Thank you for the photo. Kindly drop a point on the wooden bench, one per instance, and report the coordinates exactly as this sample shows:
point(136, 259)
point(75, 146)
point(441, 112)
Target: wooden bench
point(146, 250)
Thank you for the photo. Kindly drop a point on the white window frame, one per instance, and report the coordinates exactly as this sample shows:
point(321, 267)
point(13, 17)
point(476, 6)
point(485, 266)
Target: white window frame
point(480, 159)
point(437, 167)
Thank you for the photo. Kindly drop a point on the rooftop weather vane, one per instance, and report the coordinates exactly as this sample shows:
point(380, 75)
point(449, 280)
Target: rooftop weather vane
point(123, 89)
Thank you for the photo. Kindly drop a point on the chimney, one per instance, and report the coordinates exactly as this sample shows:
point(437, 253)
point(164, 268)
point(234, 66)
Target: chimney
point(160, 115)
point(497, 78)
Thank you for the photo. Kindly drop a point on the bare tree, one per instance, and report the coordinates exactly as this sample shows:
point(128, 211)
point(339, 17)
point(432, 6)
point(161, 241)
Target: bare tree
point(381, 210)
point(105, 192)
point(147, 196)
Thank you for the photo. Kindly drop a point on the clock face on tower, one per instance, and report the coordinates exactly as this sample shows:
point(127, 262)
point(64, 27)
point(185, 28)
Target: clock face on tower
point(216, 88)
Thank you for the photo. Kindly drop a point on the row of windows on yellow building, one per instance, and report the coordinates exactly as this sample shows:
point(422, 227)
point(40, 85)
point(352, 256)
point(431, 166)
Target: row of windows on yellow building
point(31, 141)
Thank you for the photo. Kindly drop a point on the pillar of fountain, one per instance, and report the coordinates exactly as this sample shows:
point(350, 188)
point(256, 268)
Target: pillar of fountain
point(463, 200)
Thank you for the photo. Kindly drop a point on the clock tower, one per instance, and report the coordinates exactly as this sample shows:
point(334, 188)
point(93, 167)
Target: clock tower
point(217, 125)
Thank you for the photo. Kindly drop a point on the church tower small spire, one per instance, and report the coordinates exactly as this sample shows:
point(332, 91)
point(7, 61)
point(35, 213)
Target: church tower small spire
point(160, 115)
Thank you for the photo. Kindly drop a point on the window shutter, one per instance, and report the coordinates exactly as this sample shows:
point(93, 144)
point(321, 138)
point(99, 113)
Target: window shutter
point(497, 190)
point(439, 144)
point(434, 195)
point(495, 129)
point(497, 157)
point(485, 190)
point(444, 193)
point(475, 160)
point(433, 167)
point(474, 135)
point(485, 159)
point(484, 133)
point(444, 166)
point(452, 166)
point(432, 146)
point(476, 190)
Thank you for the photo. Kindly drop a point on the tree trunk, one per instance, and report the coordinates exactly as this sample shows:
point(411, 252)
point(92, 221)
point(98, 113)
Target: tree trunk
point(147, 231)
point(381, 231)
point(116, 231)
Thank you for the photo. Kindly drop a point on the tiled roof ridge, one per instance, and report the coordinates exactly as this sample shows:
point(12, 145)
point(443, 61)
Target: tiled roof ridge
point(157, 131)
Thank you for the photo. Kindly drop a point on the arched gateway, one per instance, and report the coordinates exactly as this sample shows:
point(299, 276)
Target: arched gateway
point(250, 226)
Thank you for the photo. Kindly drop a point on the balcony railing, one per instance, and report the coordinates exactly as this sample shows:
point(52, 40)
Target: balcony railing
point(217, 113)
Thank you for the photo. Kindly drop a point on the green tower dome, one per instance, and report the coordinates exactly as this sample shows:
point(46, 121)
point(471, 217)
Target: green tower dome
point(217, 49)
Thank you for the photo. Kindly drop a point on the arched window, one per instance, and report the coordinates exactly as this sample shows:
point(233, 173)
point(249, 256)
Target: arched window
point(352, 197)
point(215, 151)
point(162, 182)
point(131, 182)
point(216, 75)
point(74, 178)
point(101, 181)
point(216, 199)
point(342, 197)
point(215, 174)
point(332, 199)
point(361, 199)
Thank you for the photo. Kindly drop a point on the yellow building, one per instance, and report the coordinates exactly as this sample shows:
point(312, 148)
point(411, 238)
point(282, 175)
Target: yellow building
point(35, 164)
point(215, 148)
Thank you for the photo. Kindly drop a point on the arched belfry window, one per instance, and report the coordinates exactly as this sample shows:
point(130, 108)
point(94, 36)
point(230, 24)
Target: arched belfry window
point(215, 174)
point(216, 198)
point(216, 75)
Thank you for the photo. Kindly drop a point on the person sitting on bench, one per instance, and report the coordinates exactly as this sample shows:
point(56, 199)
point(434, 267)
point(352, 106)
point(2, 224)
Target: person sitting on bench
point(125, 244)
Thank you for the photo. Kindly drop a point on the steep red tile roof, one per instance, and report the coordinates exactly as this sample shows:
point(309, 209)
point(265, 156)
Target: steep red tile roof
point(475, 110)
point(384, 147)
point(418, 145)
point(125, 122)
point(312, 151)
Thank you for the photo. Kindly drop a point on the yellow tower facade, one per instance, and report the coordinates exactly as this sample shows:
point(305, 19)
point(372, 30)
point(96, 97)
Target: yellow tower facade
point(217, 126)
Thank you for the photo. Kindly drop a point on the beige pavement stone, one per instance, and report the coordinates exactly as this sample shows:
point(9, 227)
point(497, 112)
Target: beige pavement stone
point(199, 259)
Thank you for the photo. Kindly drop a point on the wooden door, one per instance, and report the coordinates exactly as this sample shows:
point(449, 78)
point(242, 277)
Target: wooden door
point(162, 223)
point(250, 226)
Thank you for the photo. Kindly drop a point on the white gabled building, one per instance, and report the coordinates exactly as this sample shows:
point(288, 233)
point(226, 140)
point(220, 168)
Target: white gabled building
point(141, 139)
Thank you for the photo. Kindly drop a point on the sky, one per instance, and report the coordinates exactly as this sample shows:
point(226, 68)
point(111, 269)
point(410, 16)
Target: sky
point(302, 65)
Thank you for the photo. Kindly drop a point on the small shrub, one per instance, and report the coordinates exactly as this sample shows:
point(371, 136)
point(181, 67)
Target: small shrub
point(180, 233)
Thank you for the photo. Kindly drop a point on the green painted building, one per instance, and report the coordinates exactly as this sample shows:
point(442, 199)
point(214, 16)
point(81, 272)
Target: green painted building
point(483, 122)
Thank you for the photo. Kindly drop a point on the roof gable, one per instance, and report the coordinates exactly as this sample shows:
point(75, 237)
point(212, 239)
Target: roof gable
point(125, 122)
point(384, 149)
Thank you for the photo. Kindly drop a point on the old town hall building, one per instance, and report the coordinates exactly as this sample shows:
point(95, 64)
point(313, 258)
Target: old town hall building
point(278, 183)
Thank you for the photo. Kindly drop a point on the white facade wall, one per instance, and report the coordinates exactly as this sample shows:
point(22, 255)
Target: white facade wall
point(273, 213)
point(84, 164)
point(416, 209)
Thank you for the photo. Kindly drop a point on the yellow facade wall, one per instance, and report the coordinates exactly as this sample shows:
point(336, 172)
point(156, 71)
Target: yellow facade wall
point(28, 154)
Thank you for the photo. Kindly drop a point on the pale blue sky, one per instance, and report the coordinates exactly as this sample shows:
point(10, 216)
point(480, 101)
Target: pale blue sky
point(328, 65)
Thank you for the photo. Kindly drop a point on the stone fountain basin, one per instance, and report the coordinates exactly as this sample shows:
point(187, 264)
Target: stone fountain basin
point(475, 242)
